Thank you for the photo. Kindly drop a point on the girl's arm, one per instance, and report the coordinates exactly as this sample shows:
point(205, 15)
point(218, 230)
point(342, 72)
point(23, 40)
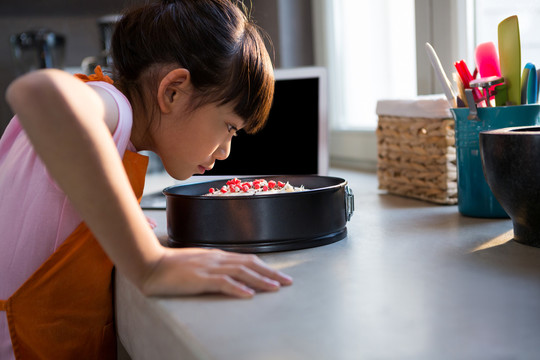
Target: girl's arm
point(69, 126)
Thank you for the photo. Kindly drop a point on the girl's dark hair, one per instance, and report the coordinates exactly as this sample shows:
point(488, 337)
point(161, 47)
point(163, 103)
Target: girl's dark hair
point(213, 39)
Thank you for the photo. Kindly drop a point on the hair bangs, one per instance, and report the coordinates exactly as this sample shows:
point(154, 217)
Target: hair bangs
point(250, 84)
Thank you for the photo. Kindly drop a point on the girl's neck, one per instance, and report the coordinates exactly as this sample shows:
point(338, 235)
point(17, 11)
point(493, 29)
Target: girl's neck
point(140, 131)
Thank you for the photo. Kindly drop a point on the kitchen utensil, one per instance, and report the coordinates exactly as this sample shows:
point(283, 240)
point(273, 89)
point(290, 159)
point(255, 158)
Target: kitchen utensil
point(466, 78)
point(501, 95)
point(510, 57)
point(524, 82)
point(473, 110)
point(487, 84)
point(37, 49)
point(460, 89)
point(529, 85)
point(441, 75)
point(260, 223)
point(487, 60)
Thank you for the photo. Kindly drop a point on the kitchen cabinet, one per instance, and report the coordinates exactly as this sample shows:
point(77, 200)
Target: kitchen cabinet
point(412, 280)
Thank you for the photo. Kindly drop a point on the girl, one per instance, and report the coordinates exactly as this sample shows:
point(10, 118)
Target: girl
point(188, 74)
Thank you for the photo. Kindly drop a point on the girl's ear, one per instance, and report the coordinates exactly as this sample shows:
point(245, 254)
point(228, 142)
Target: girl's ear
point(174, 84)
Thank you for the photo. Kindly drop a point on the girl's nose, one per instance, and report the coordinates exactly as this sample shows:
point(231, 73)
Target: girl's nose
point(223, 151)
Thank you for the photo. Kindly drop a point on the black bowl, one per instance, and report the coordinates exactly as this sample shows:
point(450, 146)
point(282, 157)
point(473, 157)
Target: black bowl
point(511, 163)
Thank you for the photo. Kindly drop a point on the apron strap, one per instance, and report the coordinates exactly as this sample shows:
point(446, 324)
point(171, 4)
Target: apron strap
point(98, 76)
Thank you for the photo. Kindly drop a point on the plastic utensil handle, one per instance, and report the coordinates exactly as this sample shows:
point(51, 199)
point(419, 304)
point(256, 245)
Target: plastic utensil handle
point(487, 60)
point(466, 78)
point(524, 85)
point(510, 57)
point(501, 95)
point(441, 76)
point(532, 84)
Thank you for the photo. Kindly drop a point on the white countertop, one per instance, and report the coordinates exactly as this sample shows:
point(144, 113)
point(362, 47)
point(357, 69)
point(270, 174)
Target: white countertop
point(412, 280)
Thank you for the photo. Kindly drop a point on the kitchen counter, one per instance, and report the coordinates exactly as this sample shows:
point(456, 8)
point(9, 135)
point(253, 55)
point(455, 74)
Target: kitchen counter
point(412, 280)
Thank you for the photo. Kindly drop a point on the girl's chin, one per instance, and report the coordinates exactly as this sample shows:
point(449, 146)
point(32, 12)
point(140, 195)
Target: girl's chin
point(181, 174)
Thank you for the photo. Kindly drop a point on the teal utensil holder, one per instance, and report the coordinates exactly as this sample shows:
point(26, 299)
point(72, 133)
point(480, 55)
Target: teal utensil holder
point(475, 198)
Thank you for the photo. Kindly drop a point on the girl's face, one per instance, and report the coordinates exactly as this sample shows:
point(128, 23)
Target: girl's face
point(189, 142)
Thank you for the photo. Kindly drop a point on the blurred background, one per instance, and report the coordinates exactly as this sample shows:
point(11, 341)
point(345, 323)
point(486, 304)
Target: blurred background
point(80, 23)
point(371, 49)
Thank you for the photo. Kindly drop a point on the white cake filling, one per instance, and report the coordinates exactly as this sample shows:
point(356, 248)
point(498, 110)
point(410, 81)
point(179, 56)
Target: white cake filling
point(236, 187)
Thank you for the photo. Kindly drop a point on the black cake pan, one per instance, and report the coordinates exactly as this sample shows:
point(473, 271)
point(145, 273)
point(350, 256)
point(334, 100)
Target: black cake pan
point(260, 223)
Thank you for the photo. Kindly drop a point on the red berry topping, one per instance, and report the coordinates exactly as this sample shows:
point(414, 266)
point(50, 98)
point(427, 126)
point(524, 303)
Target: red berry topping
point(211, 191)
point(265, 188)
point(271, 184)
point(245, 188)
point(280, 184)
point(224, 189)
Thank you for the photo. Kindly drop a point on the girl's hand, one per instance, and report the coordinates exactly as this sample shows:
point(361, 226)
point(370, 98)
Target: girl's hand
point(195, 271)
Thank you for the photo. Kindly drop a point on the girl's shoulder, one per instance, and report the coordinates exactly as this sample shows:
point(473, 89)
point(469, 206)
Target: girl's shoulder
point(119, 114)
point(108, 92)
point(110, 104)
point(114, 100)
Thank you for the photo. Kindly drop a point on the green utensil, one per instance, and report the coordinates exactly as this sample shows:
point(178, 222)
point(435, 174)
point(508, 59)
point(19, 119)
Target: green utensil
point(501, 97)
point(510, 57)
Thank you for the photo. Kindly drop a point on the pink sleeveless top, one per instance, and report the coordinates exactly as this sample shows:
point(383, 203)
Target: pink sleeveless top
point(35, 215)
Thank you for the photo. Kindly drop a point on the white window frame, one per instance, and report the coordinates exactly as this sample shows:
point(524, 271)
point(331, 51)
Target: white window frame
point(444, 24)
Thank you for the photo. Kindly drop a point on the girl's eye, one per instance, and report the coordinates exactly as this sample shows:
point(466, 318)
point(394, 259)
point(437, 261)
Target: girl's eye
point(232, 128)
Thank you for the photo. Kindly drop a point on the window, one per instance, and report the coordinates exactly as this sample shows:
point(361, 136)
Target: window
point(489, 13)
point(372, 50)
point(370, 54)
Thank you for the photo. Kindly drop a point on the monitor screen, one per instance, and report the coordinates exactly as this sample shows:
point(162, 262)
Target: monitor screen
point(294, 140)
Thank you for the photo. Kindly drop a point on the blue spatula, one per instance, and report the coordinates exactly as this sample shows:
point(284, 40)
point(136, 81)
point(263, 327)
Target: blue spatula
point(529, 85)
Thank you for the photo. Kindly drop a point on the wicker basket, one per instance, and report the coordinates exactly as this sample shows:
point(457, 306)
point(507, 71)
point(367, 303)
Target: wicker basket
point(417, 158)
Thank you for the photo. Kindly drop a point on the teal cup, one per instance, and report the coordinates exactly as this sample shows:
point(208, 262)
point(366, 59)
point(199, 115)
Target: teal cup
point(474, 195)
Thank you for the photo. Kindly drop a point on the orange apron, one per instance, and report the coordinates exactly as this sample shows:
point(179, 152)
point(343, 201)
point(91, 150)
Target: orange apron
point(65, 309)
